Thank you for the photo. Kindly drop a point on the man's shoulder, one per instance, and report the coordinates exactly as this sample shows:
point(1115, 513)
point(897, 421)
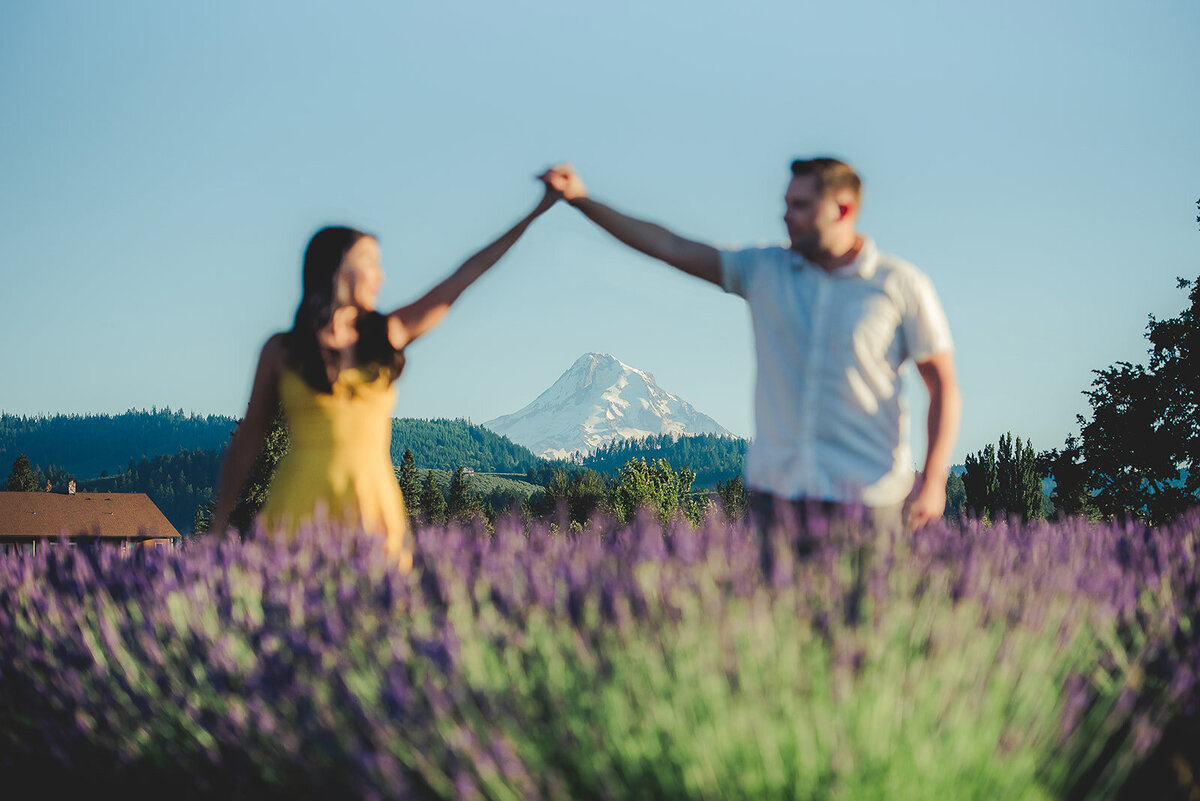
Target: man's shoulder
point(762, 251)
point(889, 265)
point(901, 275)
point(744, 270)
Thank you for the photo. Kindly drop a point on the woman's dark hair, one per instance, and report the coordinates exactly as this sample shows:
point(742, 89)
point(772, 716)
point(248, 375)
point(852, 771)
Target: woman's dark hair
point(322, 260)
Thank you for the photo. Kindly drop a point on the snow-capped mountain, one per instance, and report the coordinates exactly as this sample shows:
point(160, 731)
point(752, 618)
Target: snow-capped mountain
point(598, 400)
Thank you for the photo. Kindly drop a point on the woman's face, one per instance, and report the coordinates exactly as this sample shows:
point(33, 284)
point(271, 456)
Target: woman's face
point(361, 275)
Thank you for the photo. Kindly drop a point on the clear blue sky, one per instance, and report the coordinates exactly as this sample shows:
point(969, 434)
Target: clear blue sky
point(162, 166)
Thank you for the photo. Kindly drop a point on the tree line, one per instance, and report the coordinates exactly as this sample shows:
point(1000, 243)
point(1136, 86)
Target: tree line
point(1137, 453)
point(712, 458)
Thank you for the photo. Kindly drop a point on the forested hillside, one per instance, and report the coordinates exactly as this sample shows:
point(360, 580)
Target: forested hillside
point(177, 483)
point(711, 457)
point(450, 444)
point(88, 445)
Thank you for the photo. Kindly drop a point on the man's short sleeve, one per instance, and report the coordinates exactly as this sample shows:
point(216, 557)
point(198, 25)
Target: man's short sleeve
point(734, 267)
point(926, 330)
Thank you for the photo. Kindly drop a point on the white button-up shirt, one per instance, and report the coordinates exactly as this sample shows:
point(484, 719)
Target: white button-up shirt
point(830, 421)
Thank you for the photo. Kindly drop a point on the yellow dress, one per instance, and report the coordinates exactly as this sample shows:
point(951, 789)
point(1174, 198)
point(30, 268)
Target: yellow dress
point(340, 461)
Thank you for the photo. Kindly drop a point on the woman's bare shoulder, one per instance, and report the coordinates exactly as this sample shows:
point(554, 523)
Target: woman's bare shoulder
point(273, 352)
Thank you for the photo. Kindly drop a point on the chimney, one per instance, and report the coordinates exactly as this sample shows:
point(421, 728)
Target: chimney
point(71, 487)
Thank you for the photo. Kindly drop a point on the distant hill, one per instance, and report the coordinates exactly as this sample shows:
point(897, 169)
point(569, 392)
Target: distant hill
point(450, 444)
point(485, 485)
point(177, 483)
point(174, 458)
point(87, 445)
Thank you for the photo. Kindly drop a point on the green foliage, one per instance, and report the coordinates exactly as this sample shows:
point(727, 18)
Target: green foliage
point(450, 444)
point(433, 503)
point(980, 483)
point(711, 458)
point(21, 477)
point(463, 504)
point(1071, 497)
point(733, 497)
point(1005, 481)
point(410, 486)
point(1140, 451)
point(86, 445)
point(582, 493)
point(956, 497)
point(178, 483)
point(202, 519)
point(254, 491)
point(656, 486)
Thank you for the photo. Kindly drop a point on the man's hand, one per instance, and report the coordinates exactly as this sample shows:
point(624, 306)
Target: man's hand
point(927, 506)
point(563, 179)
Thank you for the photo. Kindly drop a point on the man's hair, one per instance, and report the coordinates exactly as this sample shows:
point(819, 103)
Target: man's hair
point(832, 175)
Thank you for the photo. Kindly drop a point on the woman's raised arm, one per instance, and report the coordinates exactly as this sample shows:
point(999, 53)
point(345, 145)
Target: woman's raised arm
point(409, 322)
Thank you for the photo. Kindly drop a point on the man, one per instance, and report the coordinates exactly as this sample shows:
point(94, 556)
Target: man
point(834, 319)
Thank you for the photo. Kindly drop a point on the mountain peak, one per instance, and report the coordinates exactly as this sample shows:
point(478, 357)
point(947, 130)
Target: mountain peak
point(600, 399)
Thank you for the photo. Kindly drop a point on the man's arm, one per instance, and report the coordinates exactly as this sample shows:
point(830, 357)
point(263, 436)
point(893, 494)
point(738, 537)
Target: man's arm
point(945, 413)
point(693, 258)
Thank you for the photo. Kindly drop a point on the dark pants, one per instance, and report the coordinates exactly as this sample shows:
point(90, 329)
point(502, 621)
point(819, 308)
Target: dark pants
point(804, 523)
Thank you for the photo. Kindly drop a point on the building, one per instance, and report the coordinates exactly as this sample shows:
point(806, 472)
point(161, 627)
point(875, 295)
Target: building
point(122, 518)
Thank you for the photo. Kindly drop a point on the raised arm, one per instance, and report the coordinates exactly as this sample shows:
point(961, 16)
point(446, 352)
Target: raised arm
point(409, 322)
point(248, 439)
point(694, 258)
point(945, 413)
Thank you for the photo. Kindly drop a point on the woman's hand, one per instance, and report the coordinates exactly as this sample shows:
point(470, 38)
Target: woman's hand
point(549, 198)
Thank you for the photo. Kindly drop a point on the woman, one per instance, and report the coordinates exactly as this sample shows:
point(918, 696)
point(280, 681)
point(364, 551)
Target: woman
point(333, 373)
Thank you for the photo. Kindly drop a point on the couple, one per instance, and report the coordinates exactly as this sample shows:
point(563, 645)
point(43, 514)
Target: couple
point(834, 319)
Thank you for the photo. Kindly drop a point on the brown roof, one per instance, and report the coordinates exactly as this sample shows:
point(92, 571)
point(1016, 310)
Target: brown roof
point(106, 515)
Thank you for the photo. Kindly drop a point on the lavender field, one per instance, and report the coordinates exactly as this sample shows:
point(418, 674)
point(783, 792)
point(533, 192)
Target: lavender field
point(1015, 661)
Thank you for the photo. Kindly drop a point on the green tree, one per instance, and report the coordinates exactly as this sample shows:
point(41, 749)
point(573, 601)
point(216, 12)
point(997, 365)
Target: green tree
point(22, 477)
point(1005, 481)
point(656, 486)
point(410, 484)
point(956, 497)
point(735, 501)
point(1140, 450)
point(202, 519)
point(254, 491)
point(1070, 497)
point(433, 503)
point(980, 482)
point(1019, 476)
point(463, 504)
point(580, 492)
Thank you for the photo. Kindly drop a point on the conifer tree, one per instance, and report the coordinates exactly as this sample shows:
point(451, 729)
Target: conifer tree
point(1005, 481)
point(22, 477)
point(410, 485)
point(254, 492)
point(433, 504)
point(734, 498)
point(979, 482)
point(202, 519)
point(463, 504)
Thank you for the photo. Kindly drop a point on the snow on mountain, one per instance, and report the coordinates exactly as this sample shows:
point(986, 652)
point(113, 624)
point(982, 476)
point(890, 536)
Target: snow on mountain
point(597, 400)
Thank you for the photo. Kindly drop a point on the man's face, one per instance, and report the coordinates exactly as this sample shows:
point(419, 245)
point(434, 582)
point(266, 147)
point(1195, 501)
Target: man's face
point(809, 215)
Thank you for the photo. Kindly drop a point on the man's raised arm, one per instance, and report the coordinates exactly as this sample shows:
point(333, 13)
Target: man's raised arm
point(694, 258)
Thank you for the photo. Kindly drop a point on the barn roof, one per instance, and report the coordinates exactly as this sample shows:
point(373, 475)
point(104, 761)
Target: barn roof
point(102, 515)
